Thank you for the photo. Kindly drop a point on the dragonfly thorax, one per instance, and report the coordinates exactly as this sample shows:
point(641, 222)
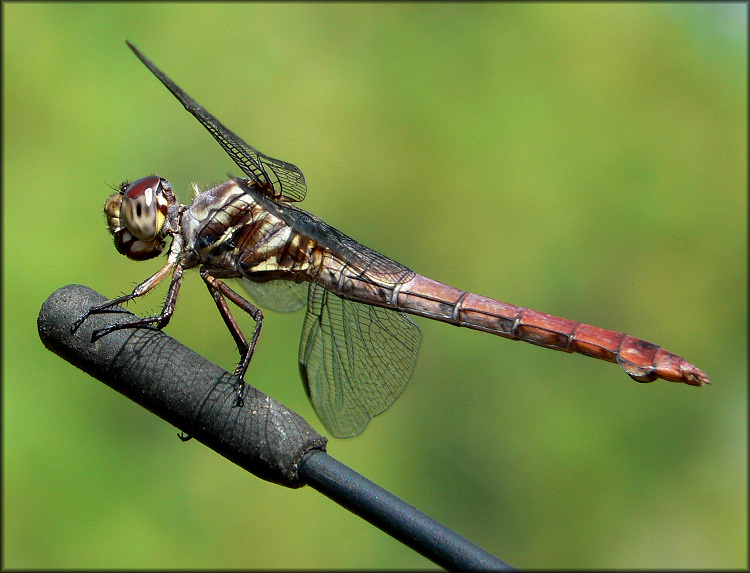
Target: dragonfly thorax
point(136, 217)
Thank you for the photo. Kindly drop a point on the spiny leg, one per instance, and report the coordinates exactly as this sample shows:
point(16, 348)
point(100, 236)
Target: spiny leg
point(160, 321)
point(218, 291)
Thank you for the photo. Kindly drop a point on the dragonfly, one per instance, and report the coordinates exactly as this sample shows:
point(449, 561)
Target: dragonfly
point(358, 346)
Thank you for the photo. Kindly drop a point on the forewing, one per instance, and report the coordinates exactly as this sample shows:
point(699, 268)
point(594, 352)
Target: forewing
point(279, 177)
point(279, 295)
point(355, 359)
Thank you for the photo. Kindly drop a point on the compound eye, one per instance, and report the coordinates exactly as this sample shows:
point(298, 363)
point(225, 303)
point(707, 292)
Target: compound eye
point(144, 207)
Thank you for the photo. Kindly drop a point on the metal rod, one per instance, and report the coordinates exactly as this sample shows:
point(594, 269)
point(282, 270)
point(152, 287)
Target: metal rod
point(264, 437)
point(393, 515)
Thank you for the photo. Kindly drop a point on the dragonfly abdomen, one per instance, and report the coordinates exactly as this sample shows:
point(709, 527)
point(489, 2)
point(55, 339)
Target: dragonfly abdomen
point(641, 360)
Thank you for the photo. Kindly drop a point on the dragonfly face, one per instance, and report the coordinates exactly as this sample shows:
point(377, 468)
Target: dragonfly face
point(136, 217)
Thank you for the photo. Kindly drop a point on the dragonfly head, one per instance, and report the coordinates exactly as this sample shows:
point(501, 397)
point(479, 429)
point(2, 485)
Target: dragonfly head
point(136, 217)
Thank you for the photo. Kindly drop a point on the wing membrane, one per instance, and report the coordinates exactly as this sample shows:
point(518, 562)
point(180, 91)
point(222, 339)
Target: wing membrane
point(355, 359)
point(278, 177)
point(279, 295)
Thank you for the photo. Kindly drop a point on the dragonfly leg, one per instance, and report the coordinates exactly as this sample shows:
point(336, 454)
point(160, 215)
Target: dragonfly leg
point(219, 291)
point(160, 321)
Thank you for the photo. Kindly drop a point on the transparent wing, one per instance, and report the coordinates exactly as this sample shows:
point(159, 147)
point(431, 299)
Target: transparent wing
point(355, 359)
point(281, 296)
point(277, 177)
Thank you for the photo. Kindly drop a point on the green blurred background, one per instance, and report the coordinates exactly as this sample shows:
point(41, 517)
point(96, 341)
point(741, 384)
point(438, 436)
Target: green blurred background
point(583, 160)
